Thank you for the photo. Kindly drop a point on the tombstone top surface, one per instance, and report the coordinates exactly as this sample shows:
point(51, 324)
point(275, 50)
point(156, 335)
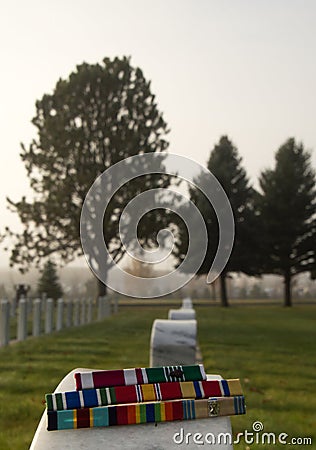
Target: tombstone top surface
point(183, 313)
point(173, 342)
point(187, 302)
point(176, 332)
point(141, 437)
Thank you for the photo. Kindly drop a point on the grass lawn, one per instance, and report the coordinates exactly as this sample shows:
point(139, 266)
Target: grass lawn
point(271, 349)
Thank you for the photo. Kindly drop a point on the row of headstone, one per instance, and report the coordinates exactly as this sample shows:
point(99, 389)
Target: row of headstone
point(45, 320)
point(14, 305)
point(174, 340)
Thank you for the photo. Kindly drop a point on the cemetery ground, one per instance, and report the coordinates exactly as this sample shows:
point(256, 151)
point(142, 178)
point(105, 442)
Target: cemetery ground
point(270, 348)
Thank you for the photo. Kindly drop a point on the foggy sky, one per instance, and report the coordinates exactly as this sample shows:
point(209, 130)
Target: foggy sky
point(242, 68)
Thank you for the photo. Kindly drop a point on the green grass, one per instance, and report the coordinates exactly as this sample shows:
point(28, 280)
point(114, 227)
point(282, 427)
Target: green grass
point(31, 368)
point(271, 349)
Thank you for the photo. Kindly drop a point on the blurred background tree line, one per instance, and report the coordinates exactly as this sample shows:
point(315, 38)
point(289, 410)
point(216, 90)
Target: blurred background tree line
point(104, 113)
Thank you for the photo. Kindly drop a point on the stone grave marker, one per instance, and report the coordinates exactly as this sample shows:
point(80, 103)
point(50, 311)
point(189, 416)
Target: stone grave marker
point(173, 342)
point(22, 320)
point(36, 326)
point(4, 322)
point(187, 303)
point(181, 314)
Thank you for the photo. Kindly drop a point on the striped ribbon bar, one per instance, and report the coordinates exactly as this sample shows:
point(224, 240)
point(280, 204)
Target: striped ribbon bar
point(138, 413)
point(89, 398)
point(128, 377)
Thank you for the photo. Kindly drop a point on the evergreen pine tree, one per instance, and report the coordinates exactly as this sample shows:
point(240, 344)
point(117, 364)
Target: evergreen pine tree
point(49, 283)
point(225, 164)
point(288, 208)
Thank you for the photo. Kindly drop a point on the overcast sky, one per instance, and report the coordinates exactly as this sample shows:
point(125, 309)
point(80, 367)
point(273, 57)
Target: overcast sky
point(242, 68)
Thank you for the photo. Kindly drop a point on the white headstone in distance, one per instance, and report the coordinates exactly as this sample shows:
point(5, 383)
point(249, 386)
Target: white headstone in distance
point(173, 342)
point(36, 329)
point(181, 314)
point(187, 303)
point(22, 320)
point(60, 314)
point(4, 322)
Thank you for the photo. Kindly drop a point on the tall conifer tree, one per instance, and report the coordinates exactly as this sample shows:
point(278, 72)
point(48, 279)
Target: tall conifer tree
point(49, 283)
point(226, 164)
point(288, 215)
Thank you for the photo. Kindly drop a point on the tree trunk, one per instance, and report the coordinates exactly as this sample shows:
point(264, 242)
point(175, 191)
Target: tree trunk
point(213, 291)
point(102, 289)
point(224, 299)
point(287, 290)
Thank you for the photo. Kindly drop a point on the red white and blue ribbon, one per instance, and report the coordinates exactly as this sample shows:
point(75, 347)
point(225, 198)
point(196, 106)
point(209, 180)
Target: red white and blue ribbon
point(128, 377)
point(89, 398)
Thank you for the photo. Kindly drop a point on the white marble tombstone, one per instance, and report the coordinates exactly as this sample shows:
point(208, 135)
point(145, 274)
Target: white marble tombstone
point(160, 436)
point(49, 316)
point(36, 329)
point(60, 314)
point(22, 320)
point(187, 303)
point(181, 314)
point(4, 322)
point(173, 342)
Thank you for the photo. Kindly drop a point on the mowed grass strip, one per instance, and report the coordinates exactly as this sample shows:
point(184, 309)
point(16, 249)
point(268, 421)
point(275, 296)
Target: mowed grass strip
point(273, 351)
point(34, 367)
